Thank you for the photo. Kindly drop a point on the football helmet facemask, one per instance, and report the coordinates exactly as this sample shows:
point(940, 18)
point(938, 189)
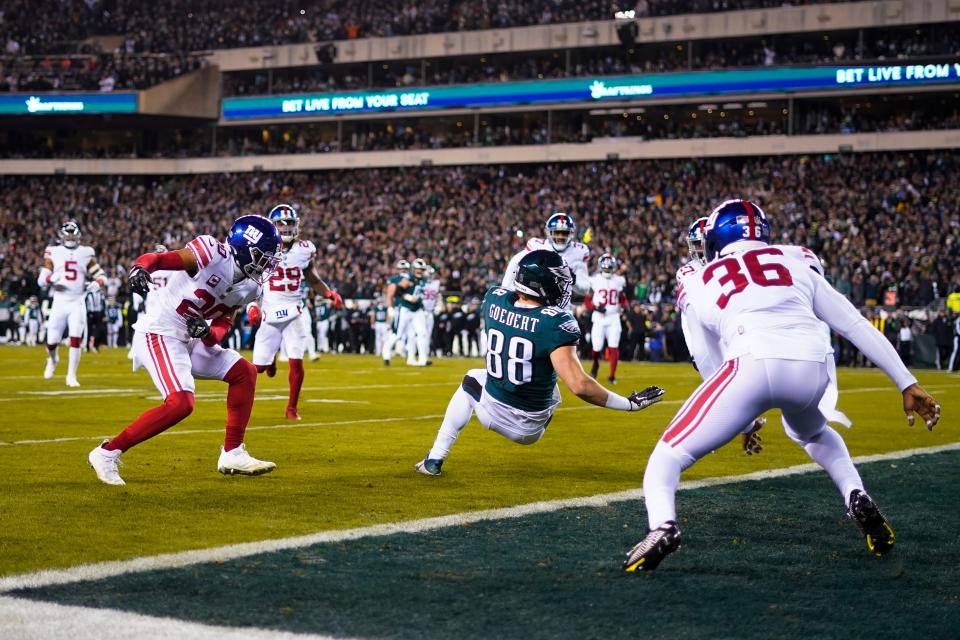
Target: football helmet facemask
point(403, 266)
point(695, 240)
point(419, 267)
point(608, 265)
point(255, 244)
point(69, 234)
point(545, 275)
point(287, 221)
point(561, 230)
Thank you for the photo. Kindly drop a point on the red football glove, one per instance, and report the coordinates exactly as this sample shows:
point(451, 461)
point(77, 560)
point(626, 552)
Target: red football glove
point(253, 315)
point(335, 299)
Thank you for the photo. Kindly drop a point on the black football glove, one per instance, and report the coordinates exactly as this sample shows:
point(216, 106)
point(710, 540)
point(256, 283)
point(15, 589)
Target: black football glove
point(643, 399)
point(197, 327)
point(602, 308)
point(140, 280)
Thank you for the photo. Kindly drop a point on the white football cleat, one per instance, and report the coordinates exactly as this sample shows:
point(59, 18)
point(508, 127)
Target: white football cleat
point(72, 381)
point(51, 367)
point(238, 461)
point(105, 463)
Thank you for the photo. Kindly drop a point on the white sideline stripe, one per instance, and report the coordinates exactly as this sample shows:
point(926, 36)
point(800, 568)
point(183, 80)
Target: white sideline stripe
point(103, 570)
point(22, 618)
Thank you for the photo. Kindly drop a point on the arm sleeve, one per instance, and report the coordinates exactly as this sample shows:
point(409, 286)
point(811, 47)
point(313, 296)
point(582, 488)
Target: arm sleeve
point(581, 279)
point(510, 275)
point(834, 309)
point(168, 261)
point(702, 343)
point(44, 278)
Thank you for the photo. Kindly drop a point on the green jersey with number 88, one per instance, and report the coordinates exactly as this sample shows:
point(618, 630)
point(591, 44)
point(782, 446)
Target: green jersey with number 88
point(519, 343)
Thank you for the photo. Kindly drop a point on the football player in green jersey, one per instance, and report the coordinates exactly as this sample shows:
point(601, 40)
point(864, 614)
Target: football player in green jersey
point(531, 341)
point(392, 294)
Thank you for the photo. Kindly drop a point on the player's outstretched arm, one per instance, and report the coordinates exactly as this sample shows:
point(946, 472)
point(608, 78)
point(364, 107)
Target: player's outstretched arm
point(568, 368)
point(320, 286)
point(139, 276)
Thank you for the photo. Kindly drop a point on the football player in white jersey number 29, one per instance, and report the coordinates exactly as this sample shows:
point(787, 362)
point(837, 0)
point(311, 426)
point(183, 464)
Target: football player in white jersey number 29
point(561, 232)
point(605, 299)
point(66, 268)
point(279, 310)
point(763, 309)
point(178, 338)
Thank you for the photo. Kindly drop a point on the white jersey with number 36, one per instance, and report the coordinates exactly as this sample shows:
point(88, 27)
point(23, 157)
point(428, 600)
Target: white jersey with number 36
point(281, 294)
point(210, 294)
point(71, 267)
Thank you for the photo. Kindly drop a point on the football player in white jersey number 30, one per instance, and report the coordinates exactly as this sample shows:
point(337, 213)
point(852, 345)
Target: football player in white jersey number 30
point(66, 268)
point(763, 309)
point(607, 294)
point(281, 305)
point(178, 338)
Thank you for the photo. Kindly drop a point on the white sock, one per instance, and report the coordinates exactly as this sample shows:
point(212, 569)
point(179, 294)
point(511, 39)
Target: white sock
point(423, 347)
point(660, 482)
point(829, 451)
point(73, 362)
point(388, 346)
point(454, 420)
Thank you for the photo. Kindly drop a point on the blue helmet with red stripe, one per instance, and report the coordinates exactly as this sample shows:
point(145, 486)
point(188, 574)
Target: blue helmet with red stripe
point(255, 244)
point(561, 230)
point(733, 221)
point(695, 239)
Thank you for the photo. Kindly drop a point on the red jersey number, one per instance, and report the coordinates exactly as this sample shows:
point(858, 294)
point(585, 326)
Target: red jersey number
point(764, 274)
point(208, 309)
point(70, 269)
point(606, 296)
point(285, 279)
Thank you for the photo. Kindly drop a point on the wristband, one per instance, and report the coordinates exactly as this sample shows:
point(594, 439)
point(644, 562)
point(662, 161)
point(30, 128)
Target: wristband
point(618, 402)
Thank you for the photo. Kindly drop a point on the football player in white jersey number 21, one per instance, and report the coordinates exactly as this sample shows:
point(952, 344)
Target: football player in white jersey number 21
point(66, 269)
point(762, 309)
point(278, 311)
point(178, 338)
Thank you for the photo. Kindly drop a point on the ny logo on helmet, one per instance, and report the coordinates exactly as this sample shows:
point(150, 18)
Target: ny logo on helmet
point(252, 235)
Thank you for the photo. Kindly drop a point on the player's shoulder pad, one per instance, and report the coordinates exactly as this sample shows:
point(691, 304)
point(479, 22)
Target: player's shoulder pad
point(562, 320)
point(687, 270)
point(805, 255)
point(308, 245)
point(207, 250)
point(533, 244)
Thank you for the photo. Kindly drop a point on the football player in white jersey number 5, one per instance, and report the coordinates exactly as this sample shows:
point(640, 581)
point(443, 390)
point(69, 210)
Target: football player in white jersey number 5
point(607, 294)
point(763, 308)
point(278, 313)
point(178, 338)
point(66, 268)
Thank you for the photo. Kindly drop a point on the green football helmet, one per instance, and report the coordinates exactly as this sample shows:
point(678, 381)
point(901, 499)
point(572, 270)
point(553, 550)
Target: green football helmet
point(546, 276)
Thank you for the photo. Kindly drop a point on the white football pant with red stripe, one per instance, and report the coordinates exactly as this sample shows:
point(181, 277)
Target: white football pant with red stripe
point(173, 364)
point(722, 407)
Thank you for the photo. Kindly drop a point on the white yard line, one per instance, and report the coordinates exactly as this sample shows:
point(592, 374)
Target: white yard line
point(103, 570)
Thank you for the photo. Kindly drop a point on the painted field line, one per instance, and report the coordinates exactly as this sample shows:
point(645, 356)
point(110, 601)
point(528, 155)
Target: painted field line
point(103, 570)
point(22, 618)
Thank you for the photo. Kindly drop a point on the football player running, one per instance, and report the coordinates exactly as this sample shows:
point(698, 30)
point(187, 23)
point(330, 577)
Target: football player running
point(561, 232)
point(280, 309)
point(606, 297)
point(392, 300)
point(66, 269)
point(178, 338)
point(531, 341)
point(763, 309)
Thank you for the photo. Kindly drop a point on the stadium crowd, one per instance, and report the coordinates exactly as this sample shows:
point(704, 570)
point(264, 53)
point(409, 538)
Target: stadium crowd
point(92, 72)
point(191, 25)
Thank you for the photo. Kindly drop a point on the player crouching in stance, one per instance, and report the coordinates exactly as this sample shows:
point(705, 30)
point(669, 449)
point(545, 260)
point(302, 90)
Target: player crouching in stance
point(66, 268)
point(530, 341)
point(175, 342)
point(767, 307)
point(282, 305)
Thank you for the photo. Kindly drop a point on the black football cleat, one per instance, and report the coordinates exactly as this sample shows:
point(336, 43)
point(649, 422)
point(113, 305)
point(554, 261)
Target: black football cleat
point(650, 552)
point(873, 524)
point(429, 467)
point(594, 370)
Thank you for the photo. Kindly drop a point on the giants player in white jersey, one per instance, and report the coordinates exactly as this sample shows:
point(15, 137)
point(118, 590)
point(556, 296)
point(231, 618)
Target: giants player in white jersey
point(66, 268)
point(761, 309)
point(431, 293)
point(560, 231)
point(158, 280)
point(281, 306)
point(606, 297)
point(178, 338)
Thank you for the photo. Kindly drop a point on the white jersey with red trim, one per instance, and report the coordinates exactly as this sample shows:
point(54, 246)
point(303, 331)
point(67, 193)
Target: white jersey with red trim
point(607, 292)
point(281, 294)
point(577, 256)
point(210, 294)
point(70, 268)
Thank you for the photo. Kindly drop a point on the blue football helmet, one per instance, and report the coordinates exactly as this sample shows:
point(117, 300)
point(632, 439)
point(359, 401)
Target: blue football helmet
point(695, 239)
point(287, 221)
point(255, 244)
point(733, 221)
point(545, 275)
point(608, 264)
point(561, 229)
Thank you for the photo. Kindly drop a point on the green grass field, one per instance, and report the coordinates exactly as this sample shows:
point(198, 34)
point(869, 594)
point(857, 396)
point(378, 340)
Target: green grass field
point(349, 464)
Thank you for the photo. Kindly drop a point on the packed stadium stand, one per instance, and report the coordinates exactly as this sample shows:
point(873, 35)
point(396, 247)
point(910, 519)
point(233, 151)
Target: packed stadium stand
point(450, 130)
